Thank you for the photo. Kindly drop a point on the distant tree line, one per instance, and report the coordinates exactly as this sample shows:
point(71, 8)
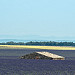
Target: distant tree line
point(50, 43)
point(12, 43)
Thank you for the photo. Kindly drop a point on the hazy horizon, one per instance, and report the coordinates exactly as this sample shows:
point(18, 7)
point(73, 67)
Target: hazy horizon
point(36, 37)
point(37, 20)
point(34, 40)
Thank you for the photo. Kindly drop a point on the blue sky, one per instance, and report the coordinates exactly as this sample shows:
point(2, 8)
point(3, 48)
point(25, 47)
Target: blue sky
point(37, 18)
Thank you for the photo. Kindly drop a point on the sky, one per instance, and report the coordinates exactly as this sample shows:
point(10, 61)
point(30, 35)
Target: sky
point(42, 19)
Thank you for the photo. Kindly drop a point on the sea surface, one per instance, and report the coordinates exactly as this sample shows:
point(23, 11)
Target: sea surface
point(11, 64)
